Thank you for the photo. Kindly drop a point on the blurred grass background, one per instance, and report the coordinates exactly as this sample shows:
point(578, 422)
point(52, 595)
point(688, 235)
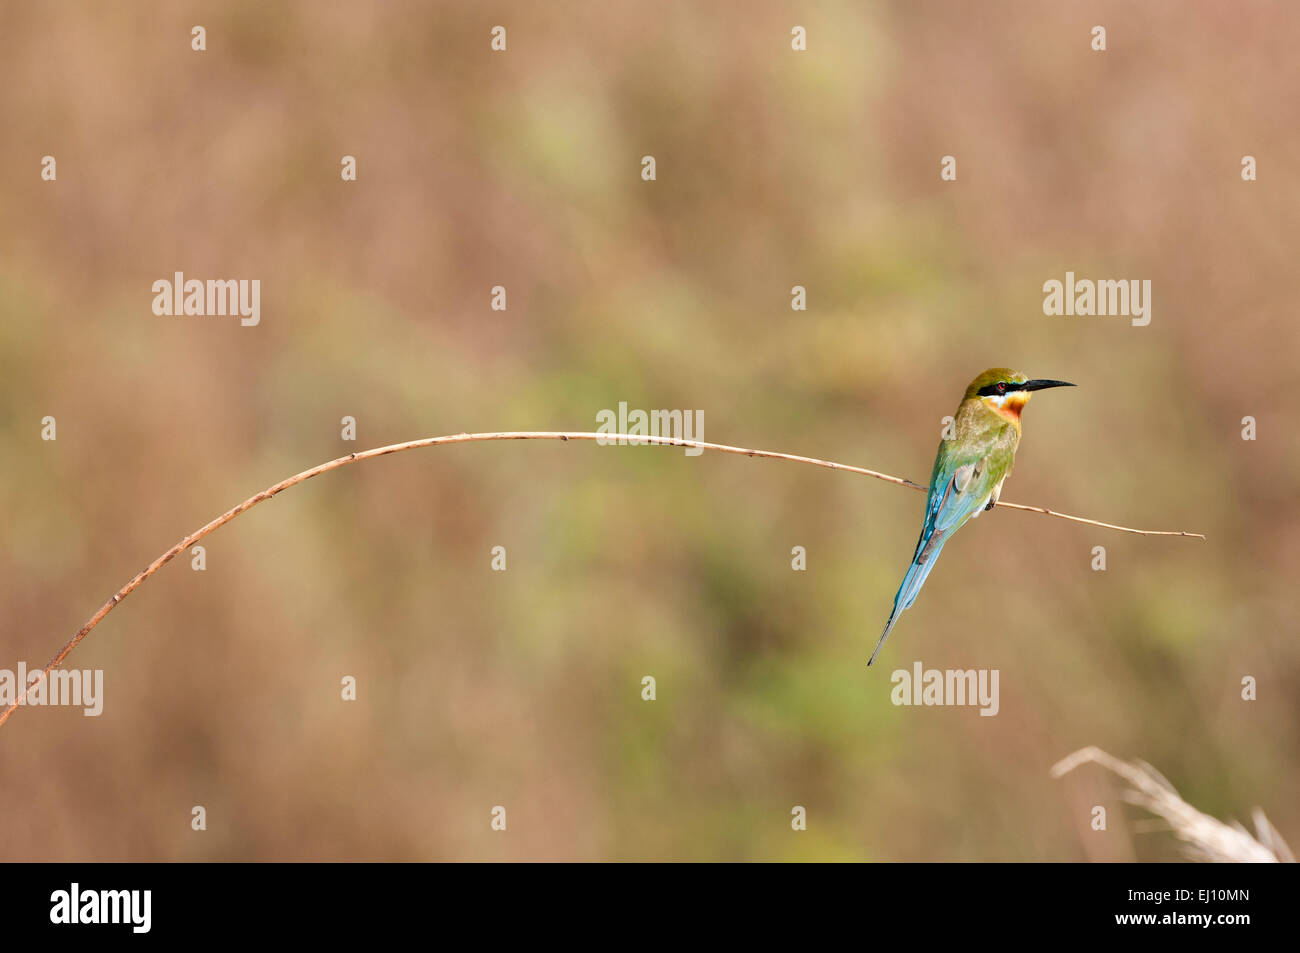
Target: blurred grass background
point(522, 169)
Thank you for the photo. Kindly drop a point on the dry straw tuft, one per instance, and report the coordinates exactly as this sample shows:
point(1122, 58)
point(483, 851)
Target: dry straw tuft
point(1204, 837)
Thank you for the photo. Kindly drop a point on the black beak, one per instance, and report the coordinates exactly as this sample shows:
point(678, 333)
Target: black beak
point(1043, 385)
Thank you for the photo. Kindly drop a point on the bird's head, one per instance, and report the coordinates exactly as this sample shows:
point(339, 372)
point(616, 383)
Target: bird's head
point(1007, 391)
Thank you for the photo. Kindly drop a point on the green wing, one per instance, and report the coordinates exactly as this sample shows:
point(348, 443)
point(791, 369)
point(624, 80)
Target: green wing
point(964, 478)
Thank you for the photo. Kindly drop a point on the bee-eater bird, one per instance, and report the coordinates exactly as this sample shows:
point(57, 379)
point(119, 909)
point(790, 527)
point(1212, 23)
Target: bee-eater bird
point(969, 470)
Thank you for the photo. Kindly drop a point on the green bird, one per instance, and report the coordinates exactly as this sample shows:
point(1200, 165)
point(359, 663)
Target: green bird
point(969, 470)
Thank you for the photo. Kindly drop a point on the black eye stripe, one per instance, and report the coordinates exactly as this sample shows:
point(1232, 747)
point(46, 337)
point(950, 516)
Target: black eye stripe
point(992, 389)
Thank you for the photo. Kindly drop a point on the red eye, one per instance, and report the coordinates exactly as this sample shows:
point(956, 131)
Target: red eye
point(1002, 388)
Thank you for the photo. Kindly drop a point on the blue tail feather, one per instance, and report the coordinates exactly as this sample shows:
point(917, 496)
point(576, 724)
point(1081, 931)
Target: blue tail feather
point(927, 554)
